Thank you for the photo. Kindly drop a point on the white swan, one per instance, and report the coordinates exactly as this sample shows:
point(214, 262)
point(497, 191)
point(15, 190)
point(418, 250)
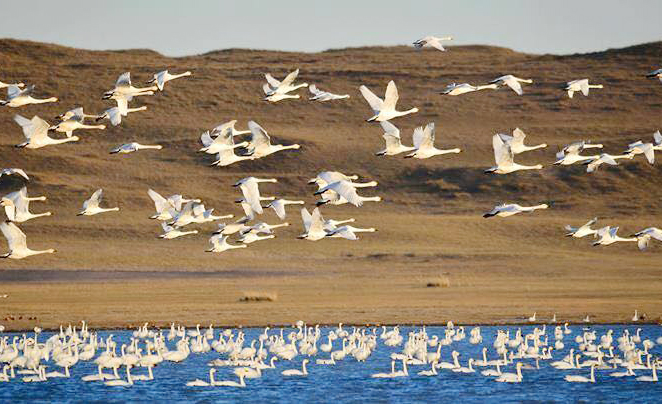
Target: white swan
point(250, 190)
point(120, 382)
point(91, 206)
point(17, 205)
point(319, 95)
point(511, 377)
point(570, 153)
point(432, 41)
point(583, 230)
point(133, 147)
point(610, 159)
point(516, 142)
point(35, 131)
point(654, 74)
point(313, 225)
point(424, 143)
point(297, 372)
point(510, 209)
point(348, 232)
point(5, 85)
point(459, 89)
point(394, 373)
point(647, 149)
point(511, 81)
point(277, 87)
point(164, 76)
point(278, 205)
point(253, 236)
point(124, 89)
point(260, 143)
point(644, 236)
point(226, 157)
point(223, 141)
point(503, 155)
point(607, 235)
point(532, 319)
point(231, 383)
point(14, 171)
point(393, 143)
point(163, 205)
point(384, 109)
point(580, 85)
point(72, 120)
point(581, 379)
point(651, 378)
point(115, 114)
point(347, 190)
point(431, 372)
point(202, 383)
point(18, 243)
point(231, 228)
point(170, 232)
point(17, 97)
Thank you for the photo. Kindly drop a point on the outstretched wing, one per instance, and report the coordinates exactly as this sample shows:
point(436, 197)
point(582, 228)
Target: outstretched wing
point(272, 81)
point(206, 139)
point(502, 153)
point(160, 203)
point(306, 218)
point(15, 237)
point(124, 80)
point(289, 79)
point(94, 200)
point(391, 96)
point(375, 102)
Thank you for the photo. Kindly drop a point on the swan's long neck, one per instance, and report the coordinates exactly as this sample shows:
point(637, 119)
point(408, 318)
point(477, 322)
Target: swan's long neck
point(82, 126)
point(176, 76)
point(42, 101)
point(371, 198)
point(65, 140)
point(143, 108)
point(35, 215)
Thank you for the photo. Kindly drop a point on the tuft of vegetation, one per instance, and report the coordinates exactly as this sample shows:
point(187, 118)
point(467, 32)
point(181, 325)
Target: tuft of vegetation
point(442, 281)
point(259, 297)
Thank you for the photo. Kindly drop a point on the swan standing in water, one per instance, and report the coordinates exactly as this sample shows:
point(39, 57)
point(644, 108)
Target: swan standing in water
point(393, 142)
point(583, 230)
point(17, 97)
point(424, 143)
point(511, 81)
point(505, 210)
point(14, 171)
point(459, 89)
point(297, 372)
point(384, 109)
point(35, 131)
point(503, 155)
point(133, 147)
point(516, 142)
point(319, 95)
point(91, 206)
point(18, 243)
point(164, 76)
point(580, 85)
point(432, 41)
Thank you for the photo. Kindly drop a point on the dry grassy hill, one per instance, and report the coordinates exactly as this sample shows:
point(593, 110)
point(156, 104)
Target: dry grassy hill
point(430, 221)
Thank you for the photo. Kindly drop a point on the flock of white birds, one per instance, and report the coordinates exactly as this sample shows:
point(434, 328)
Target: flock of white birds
point(334, 188)
point(26, 359)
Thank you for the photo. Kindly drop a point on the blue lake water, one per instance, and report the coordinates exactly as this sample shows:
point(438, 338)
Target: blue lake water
point(349, 380)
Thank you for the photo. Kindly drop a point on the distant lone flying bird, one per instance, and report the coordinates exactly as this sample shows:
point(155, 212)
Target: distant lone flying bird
point(432, 41)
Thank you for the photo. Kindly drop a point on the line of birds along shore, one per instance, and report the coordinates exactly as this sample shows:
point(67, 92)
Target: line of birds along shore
point(26, 359)
point(333, 187)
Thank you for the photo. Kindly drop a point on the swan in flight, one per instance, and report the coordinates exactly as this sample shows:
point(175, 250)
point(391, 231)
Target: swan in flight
point(644, 236)
point(18, 243)
point(319, 95)
point(572, 157)
point(384, 109)
point(17, 204)
point(610, 159)
point(580, 85)
point(5, 85)
point(260, 143)
point(219, 243)
point(252, 236)
point(424, 143)
point(348, 232)
point(124, 89)
point(459, 89)
point(133, 147)
point(512, 82)
point(394, 145)
point(74, 113)
point(503, 155)
point(14, 171)
point(516, 142)
point(226, 157)
point(163, 205)
point(325, 178)
point(278, 205)
point(432, 41)
point(249, 188)
point(35, 131)
point(583, 230)
point(164, 76)
point(647, 149)
point(115, 114)
point(654, 74)
point(171, 232)
point(91, 206)
point(74, 120)
point(223, 141)
point(17, 97)
point(283, 87)
point(607, 235)
point(347, 190)
point(313, 225)
point(510, 209)
point(232, 228)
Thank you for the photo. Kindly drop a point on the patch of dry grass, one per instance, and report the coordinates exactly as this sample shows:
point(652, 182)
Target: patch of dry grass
point(441, 281)
point(259, 297)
